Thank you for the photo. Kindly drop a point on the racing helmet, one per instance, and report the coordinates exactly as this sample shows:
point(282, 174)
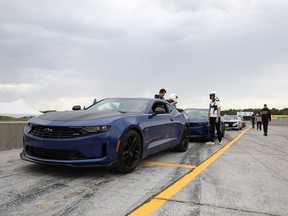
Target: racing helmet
point(173, 97)
point(212, 94)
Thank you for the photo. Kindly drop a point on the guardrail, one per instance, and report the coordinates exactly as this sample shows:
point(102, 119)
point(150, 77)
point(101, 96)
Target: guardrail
point(275, 122)
point(279, 122)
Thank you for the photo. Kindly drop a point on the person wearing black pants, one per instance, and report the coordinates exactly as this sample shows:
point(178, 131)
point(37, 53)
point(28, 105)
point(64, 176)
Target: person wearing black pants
point(253, 120)
point(266, 117)
point(214, 123)
point(259, 121)
point(214, 114)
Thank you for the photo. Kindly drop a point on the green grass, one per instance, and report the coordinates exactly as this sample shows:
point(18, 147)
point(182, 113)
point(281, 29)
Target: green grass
point(5, 119)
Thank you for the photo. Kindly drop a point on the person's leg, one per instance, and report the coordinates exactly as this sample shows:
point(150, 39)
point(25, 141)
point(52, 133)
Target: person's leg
point(212, 129)
point(219, 135)
point(260, 125)
point(265, 122)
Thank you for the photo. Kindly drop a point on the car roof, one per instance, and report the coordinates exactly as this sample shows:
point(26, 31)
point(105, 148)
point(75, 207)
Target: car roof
point(134, 98)
point(196, 109)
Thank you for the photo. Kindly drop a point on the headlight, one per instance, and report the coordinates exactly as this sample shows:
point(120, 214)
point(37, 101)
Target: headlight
point(27, 128)
point(29, 124)
point(97, 129)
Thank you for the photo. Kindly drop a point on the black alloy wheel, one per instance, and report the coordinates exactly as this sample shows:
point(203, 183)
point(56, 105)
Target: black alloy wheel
point(184, 142)
point(130, 152)
point(222, 129)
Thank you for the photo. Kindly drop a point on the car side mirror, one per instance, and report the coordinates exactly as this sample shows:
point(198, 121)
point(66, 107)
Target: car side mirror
point(76, 107)
point(159, 110)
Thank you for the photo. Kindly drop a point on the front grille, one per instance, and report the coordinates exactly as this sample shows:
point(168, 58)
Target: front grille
point(54, 154)
point(195, 124)
point(57, 132)
point(230, 124)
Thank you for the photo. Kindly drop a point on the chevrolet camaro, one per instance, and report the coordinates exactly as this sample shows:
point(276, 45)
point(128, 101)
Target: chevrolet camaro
point(199, 125)
point(116, 132)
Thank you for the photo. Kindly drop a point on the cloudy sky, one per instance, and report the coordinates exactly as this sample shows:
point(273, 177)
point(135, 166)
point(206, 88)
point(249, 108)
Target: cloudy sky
point(55, 54)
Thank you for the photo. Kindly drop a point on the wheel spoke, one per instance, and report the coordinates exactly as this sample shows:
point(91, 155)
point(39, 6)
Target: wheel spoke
point(133, 143)
point(125, 155)
point(129, 161)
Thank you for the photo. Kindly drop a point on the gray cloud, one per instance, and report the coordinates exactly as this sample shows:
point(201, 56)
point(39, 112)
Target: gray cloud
point(56, 54)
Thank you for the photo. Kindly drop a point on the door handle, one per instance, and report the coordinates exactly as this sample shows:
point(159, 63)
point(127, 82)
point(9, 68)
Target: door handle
point(171, 119)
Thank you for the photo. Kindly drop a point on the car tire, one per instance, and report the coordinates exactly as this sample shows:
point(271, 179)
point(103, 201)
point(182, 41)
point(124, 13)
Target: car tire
point(184, 141)
point(129, 152)
point(222, 130)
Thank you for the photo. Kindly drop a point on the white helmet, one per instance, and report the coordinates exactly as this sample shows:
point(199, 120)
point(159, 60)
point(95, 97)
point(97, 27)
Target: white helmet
point(212, 93)
point(173, 97)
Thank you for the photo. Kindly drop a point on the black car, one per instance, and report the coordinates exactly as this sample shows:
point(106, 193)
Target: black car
point(199, 124)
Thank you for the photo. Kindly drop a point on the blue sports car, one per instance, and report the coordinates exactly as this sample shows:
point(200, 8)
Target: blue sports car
point(198, 123)
point(113, 132)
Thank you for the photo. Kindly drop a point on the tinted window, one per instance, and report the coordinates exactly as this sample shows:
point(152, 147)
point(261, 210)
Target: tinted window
point(165, 106)
point(230, 117)
point(197, 113)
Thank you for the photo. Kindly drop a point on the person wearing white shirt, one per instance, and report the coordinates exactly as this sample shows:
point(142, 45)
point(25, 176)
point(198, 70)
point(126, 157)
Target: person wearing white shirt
point(214, 115)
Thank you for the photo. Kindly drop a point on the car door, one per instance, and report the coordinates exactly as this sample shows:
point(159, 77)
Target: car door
point(162, 130)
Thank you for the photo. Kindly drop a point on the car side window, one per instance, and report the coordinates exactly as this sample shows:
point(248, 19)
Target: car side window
point(170, 108)
point(161, 105)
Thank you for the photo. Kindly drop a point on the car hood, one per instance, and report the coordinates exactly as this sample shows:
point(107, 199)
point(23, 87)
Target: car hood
point(82, 115)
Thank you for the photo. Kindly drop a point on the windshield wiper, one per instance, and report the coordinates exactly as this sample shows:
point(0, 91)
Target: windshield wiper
point(123, 112)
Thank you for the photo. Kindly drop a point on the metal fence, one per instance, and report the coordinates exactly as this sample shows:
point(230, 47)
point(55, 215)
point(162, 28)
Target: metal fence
point(279, 122)
point(274, 122)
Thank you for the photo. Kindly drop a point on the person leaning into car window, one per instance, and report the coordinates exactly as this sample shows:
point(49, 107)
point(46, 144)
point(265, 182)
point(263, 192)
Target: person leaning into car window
point(161, 94)
point(173, 99)
point(214, 113)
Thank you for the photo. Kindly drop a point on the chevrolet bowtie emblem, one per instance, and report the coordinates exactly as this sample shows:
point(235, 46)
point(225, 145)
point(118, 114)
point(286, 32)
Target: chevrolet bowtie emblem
point(48, 130)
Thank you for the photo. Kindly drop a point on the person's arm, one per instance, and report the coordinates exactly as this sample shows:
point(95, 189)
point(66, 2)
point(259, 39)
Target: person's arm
point(218, 114)
point(209, 112)
point(269, 115)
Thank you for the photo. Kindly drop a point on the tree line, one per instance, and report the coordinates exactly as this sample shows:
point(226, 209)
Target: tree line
point(273, 111)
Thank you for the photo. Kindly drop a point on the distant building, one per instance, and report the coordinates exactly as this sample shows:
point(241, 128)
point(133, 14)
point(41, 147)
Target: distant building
point(242, 114)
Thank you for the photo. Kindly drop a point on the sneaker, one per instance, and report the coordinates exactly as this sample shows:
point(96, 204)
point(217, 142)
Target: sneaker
point(210, 143)
point(221, 142)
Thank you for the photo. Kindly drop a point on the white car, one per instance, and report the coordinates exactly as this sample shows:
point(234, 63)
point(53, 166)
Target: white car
point(232, 122)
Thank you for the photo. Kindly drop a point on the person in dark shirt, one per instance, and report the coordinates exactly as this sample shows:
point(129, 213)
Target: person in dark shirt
point(253, 120)
point(161, 94)
point(266, 117)
point(259, 121)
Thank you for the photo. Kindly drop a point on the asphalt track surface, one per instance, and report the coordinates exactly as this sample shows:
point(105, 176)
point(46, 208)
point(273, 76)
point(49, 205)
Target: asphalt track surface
point(247, 175)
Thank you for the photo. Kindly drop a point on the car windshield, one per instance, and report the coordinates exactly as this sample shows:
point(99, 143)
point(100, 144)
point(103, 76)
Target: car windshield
point(229, 117)
point(197, 113)
point(121, 105)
